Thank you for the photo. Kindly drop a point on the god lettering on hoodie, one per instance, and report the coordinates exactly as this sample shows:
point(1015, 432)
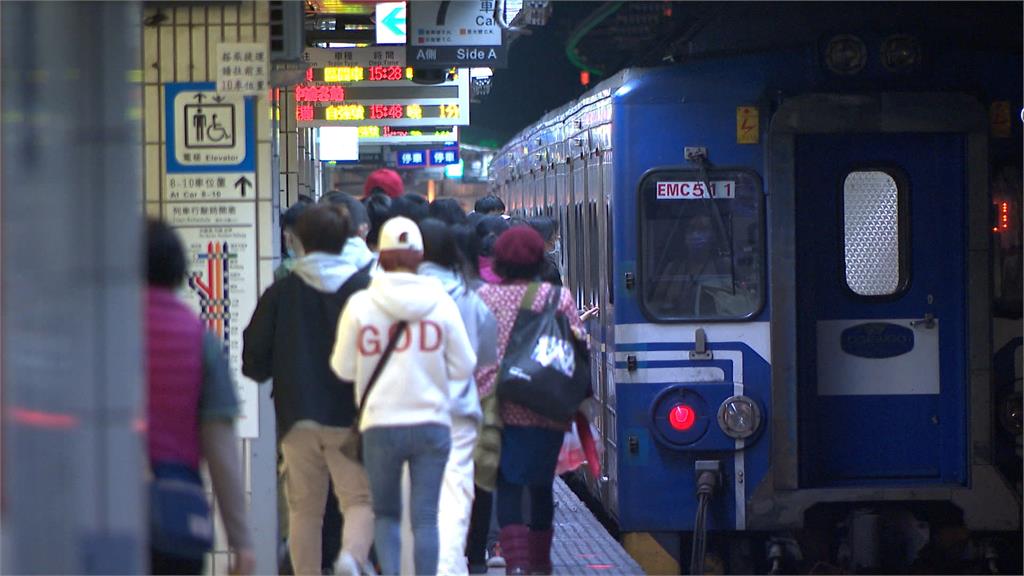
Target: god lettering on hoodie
point(432, 353)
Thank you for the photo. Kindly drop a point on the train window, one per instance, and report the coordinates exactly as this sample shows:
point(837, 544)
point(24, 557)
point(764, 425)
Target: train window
point(701, 244)
point(874, 237)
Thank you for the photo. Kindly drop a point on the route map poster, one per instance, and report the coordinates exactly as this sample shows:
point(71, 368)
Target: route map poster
point(220, 245)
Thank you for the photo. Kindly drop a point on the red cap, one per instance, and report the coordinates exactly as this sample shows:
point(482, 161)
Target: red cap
point(519, 245)
point(387, 180)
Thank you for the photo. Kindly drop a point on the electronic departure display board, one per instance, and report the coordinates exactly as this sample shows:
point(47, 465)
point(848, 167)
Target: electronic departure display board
point(419, 135)
point(392, 114)
point(360, 105)
point(354, 74)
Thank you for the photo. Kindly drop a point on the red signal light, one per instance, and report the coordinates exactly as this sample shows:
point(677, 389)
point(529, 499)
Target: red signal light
point(681, 417)
point(584, 77)
point(1004, 217)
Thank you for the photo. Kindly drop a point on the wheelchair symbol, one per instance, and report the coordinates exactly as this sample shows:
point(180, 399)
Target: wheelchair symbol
point(209, 125)
point(216, 132)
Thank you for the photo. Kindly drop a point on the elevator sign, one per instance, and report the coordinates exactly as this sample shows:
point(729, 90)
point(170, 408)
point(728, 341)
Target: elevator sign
point(208, 131)
point(211, 147)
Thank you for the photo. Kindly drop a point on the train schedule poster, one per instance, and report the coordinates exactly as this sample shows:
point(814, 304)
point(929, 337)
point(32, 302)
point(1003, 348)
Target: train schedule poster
point(220, 244)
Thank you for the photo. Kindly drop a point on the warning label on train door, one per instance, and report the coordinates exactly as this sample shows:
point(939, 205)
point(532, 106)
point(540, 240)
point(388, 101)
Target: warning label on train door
point(748, 125)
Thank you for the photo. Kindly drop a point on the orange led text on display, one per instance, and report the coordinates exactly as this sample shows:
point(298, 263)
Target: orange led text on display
point(319, 94)
point(350, 74)
point(308, 113)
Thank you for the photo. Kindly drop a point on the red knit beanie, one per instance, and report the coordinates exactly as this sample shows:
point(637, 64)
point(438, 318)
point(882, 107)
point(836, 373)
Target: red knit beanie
point(519, 246)
point(387, 180)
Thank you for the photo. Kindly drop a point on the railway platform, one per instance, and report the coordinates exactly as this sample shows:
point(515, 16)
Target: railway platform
point(581, 545)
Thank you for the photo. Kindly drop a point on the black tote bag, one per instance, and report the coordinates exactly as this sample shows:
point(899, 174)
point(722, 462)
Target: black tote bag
point(545, 368)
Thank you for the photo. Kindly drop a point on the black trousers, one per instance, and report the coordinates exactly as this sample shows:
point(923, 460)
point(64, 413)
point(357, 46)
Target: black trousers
point(160, 563)
point(479, 524)
point(331, 531)
point(510, 504)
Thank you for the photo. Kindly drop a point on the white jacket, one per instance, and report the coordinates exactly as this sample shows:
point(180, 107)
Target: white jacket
point(431, 355)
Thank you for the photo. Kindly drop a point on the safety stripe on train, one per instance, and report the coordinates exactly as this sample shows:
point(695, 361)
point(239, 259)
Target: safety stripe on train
point(631, 337)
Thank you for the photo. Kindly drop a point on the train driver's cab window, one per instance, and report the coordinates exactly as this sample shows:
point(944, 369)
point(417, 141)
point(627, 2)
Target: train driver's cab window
point(701, 245)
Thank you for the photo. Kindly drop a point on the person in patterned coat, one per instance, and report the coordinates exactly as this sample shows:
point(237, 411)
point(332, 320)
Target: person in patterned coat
point(530, 442)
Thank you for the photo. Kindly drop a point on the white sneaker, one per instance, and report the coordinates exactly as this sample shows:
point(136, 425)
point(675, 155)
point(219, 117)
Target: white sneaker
point(494, 557)
point(347, 565)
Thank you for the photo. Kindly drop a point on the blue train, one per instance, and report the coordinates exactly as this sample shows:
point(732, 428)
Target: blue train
point(806, 252)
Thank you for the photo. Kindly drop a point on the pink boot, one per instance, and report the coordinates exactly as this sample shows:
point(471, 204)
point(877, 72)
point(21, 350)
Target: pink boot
point(540, 551)
point(515, 547)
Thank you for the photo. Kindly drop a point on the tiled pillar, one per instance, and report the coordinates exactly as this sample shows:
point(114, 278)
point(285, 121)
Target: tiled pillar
point(70, 304)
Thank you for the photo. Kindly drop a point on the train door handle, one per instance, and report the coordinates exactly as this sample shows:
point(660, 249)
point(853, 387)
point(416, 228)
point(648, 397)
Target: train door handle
point(928, 322)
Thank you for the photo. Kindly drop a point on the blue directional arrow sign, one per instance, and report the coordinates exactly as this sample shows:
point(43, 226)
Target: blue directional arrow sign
point(390, 23)
point(395, 21)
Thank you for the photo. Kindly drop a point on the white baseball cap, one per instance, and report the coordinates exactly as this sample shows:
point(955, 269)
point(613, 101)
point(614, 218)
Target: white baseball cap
point(400, 233)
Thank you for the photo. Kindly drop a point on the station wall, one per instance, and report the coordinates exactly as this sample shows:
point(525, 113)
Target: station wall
point(180, 46)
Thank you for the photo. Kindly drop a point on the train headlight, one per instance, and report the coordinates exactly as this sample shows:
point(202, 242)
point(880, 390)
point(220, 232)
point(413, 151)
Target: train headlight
point(900, 52)
point(846, 54)
point(739, 417)
point(682, 417)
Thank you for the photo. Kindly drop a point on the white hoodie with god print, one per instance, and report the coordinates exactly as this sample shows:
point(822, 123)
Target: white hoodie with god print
point(431, 354)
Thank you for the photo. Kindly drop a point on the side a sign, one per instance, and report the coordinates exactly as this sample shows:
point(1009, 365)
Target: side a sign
point(463, 34)
point(467, 56)
point(467, 23)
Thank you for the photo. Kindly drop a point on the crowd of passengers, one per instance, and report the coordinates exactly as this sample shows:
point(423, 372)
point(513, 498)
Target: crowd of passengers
point(384, 329)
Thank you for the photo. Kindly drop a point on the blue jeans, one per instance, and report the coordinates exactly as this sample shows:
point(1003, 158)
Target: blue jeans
point(385, 449)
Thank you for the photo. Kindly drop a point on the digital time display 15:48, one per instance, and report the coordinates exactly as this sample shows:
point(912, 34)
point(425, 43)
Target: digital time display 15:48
point(353, 111)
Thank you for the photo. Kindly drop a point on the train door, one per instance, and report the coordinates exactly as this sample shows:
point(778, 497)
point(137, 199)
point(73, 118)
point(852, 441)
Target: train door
point(607, 320)
point(601, 346)
point(881, 288)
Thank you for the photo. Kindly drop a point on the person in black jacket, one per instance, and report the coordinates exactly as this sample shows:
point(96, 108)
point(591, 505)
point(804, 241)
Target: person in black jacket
point(290, 339)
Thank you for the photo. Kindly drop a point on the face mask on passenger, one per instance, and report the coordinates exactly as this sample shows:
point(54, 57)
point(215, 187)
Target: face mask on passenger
point(291, 245)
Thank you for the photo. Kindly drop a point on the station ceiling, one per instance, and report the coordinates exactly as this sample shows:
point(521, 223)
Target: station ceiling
point(605, 37)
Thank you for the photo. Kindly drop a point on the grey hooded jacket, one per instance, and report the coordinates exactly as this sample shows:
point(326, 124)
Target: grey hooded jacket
point(481, 327)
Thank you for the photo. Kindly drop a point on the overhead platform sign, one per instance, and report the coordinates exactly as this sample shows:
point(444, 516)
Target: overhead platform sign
point(460, 34)
point(368, 57)
point(419, 135)
point(382, 103)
